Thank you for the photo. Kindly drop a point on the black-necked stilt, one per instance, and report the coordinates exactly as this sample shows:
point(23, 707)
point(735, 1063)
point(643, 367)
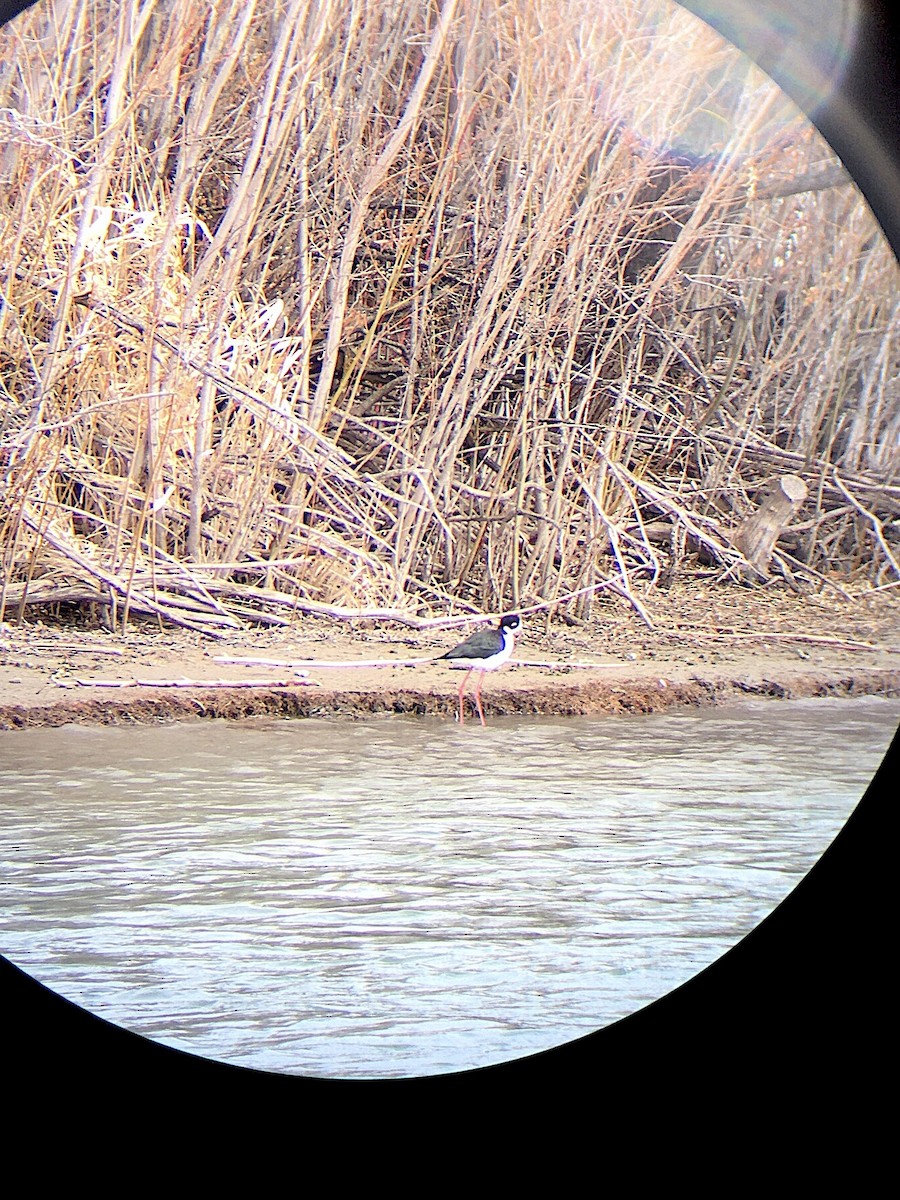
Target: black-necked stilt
point(485, 650)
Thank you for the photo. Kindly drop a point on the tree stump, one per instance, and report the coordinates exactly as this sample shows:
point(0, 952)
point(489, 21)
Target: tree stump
point(756, 536)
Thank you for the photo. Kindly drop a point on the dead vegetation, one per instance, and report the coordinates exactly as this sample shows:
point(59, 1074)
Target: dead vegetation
point(354, 307)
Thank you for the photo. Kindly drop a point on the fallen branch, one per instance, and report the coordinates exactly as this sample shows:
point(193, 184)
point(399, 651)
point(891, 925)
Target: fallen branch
point(197, 683)
point(550, 665)
point(604, 585)
point(402, 617)
point(317, 662)
point(871, 517)
point(29, 647)
point(781, 558)
point(396, 662)
point(134, 597)
point(812, 638)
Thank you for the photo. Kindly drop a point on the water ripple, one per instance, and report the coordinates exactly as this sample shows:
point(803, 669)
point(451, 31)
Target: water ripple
point(405, 897)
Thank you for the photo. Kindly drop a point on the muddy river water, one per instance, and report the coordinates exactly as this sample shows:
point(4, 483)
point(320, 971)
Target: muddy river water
point(404, 897)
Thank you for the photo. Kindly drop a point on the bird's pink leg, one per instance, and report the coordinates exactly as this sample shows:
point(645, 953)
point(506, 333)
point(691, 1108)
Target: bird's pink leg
point(478, 697)
point(462, 688)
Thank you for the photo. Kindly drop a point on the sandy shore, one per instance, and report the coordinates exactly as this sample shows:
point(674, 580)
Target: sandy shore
point(706, 646)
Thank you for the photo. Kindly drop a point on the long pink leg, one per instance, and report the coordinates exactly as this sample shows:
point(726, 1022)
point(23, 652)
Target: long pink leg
point(462, 688)
point(478, 697)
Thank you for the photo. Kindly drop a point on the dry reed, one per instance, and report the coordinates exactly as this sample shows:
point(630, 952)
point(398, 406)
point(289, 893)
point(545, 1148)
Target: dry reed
point(348, 306)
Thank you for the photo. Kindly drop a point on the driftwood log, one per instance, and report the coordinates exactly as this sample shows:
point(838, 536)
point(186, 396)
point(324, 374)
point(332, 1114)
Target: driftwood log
point(756, 536)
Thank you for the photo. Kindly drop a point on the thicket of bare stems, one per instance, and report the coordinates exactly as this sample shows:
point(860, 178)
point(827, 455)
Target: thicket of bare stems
point(412, 309)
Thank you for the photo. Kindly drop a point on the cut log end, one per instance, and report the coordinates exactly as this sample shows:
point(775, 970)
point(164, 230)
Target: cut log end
point(757, 535)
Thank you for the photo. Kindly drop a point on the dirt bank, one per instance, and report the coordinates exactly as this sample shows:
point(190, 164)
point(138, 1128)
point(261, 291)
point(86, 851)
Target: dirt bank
point(708, 645)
